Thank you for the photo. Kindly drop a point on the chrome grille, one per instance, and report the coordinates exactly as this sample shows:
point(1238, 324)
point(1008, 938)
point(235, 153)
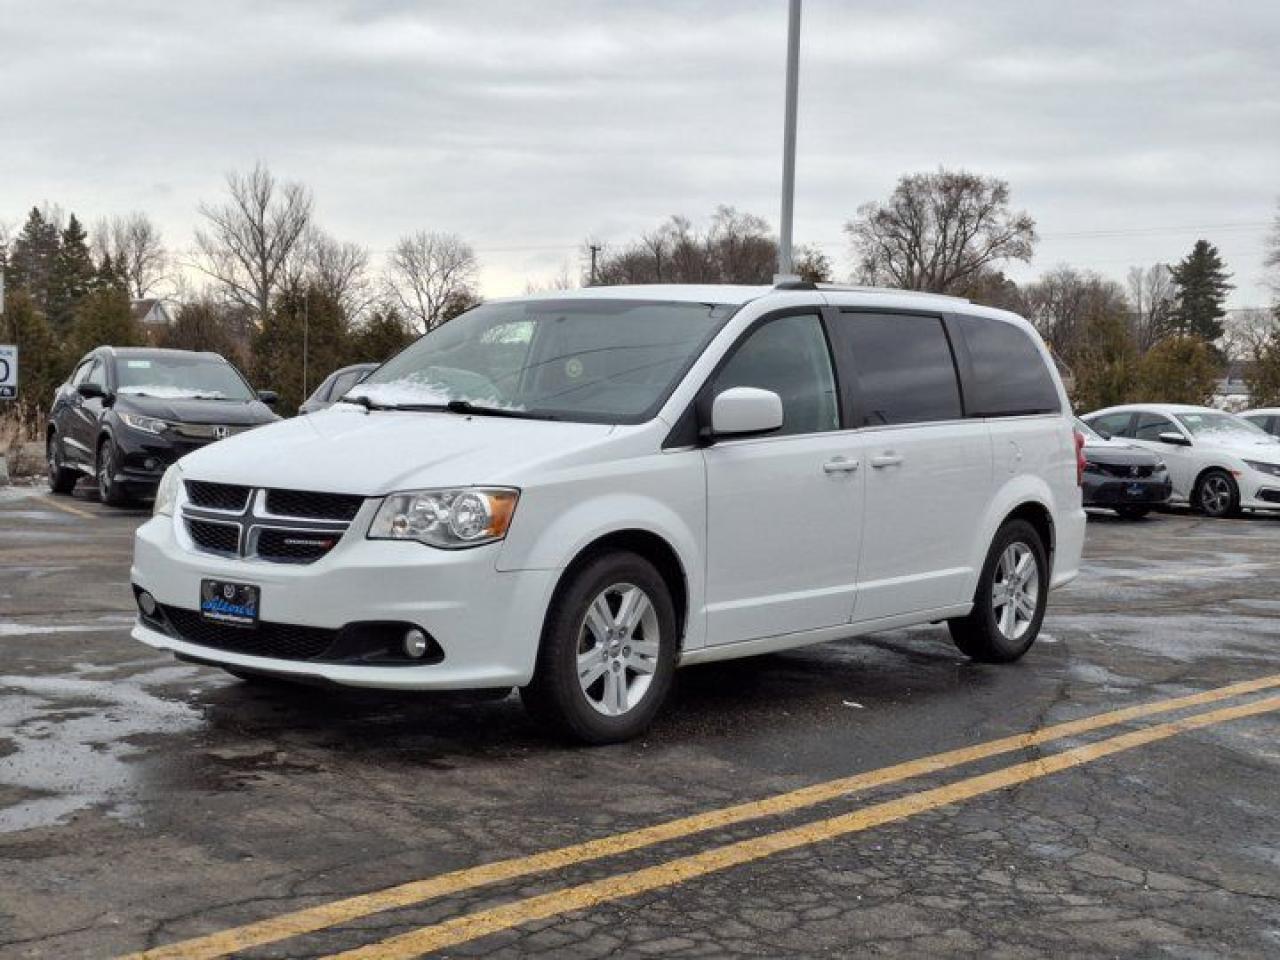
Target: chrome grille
point(278, 526)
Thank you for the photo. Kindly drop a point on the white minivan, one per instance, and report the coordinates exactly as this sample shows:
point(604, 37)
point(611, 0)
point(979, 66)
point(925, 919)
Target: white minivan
point(575, 493)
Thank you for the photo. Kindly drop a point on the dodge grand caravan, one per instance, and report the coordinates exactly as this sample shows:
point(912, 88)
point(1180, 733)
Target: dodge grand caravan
point(576, 493)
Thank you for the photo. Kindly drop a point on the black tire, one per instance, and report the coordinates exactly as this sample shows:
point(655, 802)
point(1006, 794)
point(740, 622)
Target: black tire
point(109, 492)
point(1216, 494)
point(1133, 513)
point(979, 635)
point(555, 696)
point(61, 479)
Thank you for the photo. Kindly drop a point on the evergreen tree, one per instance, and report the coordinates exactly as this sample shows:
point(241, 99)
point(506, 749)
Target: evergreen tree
point(103, 318)
point(109, 275)
point(380, 337)
point(1107, 367)
point(309, 320)
point(1202, 286)
point(72, 277)
point(43, 363)
point(32, 259)
point(1179, 369)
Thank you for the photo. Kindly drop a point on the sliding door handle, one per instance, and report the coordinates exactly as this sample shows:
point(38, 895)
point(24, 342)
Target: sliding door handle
point(886, 460)
point(840, 465)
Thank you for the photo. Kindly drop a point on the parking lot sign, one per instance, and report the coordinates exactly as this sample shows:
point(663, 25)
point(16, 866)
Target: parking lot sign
point(8, 371)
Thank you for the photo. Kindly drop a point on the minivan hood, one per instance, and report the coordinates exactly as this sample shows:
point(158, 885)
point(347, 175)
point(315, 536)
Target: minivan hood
point(348, 450)
point(188, 410)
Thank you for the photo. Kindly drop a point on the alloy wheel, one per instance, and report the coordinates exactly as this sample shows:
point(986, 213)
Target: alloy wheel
point(1215, 495)
point(51, 457)
point(618, 644)
point(1015, 591)
point(106, 472)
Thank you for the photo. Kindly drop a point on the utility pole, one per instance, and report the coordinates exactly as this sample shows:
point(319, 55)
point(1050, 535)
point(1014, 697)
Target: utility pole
point(594, 248)
point(306, 336)
point(786, 270)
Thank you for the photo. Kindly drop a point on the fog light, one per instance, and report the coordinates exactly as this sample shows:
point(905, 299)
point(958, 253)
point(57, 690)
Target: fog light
point(147, 603)
point(415, 643)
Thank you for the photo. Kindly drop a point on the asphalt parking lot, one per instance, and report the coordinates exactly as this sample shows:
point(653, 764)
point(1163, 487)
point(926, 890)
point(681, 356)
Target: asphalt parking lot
point(878, 797)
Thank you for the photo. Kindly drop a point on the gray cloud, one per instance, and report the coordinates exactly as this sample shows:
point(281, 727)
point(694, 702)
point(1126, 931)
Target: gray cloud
point(526, 127)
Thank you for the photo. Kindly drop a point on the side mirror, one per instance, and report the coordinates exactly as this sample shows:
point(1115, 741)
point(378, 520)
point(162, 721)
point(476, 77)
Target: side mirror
point(269, 397)
point(89, 390)
point(742, 411)
point(1176, 439)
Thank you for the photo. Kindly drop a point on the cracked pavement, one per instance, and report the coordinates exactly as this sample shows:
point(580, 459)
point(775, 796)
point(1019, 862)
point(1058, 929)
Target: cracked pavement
point(144, 801)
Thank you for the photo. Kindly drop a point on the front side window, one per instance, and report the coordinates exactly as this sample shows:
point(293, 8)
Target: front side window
point(1010, 376)
point(344, 382)
point(589, 360)
point(789, 356)
point(81, 372)
point(98, 374)
point(1151, 425)
point(180, 377)
point(905, 370)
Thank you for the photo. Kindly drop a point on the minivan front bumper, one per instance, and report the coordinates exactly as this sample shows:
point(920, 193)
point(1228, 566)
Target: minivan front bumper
point(486, 622)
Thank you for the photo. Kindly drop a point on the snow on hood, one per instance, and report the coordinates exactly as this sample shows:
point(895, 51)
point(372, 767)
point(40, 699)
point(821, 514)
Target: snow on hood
point(346, 449)
point(164, 392)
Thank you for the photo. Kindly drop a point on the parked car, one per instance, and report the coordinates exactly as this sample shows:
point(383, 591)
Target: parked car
point(574, 493)
point(1218, 462)
point(335, 385)
point(125, 414)
point(1268, 418)
point(1122, 476)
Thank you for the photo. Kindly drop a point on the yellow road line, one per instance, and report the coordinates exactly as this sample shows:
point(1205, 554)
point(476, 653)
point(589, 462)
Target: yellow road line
point(65, 508)
point(482, 923)
point(310, 919)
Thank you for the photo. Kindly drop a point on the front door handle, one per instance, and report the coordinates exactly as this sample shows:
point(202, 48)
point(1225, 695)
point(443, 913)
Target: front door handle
point(886, 460)
point(840, 465)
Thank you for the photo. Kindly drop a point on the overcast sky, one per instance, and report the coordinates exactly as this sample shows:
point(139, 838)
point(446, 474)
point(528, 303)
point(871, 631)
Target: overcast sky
point(1126, 128)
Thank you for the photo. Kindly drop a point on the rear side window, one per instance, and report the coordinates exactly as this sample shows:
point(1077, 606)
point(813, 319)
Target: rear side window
point(1010, 376)
point(904, 367)
point(1113, 424)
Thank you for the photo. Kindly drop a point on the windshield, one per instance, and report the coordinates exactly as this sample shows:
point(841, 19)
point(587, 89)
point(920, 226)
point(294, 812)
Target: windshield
point(180, 378)
point(1222, 426)
point(599, 361)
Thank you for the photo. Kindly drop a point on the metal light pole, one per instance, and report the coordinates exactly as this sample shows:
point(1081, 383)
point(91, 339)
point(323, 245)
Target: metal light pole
point(785, 266)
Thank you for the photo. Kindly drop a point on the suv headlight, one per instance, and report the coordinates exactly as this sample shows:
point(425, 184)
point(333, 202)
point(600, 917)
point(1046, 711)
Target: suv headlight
point(167, 492)
point(1270, 468)
point(450, 518)
point(145, 424)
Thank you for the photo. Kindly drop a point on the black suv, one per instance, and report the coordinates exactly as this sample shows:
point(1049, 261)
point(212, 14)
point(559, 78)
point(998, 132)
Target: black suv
point(125, 414)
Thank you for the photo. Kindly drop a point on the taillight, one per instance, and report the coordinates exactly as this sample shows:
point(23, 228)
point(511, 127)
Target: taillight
point(1080, 460)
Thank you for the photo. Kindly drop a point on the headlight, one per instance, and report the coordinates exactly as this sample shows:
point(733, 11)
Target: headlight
point(145, 424)
point(1271, 468)
point(167, 492)
point(450, 518)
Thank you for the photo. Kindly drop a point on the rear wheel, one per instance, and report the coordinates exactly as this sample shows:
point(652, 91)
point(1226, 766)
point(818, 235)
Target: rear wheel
point(1008, 606)
point(1216, 494)
point(1133, 513)
point(61, 479)
point(608, 651)
point(109, 492)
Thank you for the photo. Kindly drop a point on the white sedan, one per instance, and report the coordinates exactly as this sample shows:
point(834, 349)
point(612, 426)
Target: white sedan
point(1268, 418)
point(1220, 463)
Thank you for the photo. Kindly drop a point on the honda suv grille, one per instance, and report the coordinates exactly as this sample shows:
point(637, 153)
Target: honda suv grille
point(278, 526)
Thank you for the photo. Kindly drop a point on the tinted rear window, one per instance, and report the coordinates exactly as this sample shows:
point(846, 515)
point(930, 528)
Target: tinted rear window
point(905, 370)
point(1009, 372)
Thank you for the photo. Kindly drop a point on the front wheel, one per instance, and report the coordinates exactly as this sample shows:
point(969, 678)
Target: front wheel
point(1216, 495)
point(109, 492)
point(1009, 604)
point(608, 651)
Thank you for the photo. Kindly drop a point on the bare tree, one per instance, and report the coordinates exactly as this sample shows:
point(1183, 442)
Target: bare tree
point(331, 267)
point(563, 280)
point(1272, 258)
point(1065, 304)
point(430, 273)
point(1153, 298)
point(136, 250)
point(939, 230)
point(249, 240)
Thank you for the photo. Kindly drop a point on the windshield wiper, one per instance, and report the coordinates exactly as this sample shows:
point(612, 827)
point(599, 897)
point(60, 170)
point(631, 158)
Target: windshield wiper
point(362, 401)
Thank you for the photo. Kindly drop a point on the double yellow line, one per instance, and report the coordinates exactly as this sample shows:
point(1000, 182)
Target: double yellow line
point(485, 922)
